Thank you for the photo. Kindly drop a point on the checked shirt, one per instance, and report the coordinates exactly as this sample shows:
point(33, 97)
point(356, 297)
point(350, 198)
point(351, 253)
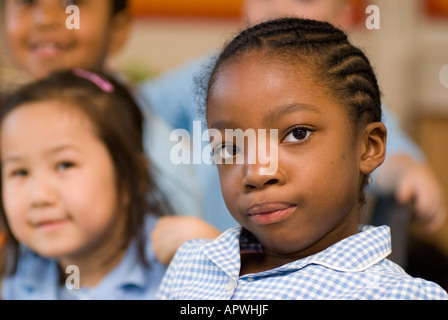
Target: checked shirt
point(354, 268)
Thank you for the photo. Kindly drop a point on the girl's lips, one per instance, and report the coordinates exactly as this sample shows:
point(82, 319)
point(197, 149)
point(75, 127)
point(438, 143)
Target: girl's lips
point(269, 213)
point(50, 225)
point(48, 50)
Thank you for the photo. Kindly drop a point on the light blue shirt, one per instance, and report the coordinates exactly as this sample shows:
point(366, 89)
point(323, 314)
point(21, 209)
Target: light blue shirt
point(177, 182)
point(37, 278)
point(353, 268)
point(172, 97)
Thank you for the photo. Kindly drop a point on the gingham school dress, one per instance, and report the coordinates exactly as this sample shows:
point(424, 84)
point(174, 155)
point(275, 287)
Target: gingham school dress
point(354, 268)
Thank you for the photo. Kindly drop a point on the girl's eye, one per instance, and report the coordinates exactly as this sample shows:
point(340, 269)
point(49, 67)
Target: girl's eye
point(19, 173)
point(26, 2)
point(67, 3)
point(297, 134)
point(65, 165)
point(225, 151)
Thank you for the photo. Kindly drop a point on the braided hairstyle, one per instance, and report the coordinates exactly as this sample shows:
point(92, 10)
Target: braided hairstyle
point(339, 67)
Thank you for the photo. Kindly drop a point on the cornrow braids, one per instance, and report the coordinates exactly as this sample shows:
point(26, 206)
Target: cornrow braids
point(342, 69)
point(338, 65)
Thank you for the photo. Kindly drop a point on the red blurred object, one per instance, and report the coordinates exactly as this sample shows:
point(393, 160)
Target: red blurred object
point(436, 8)
point(359, 10)
point(187, 8)
point(2, 238)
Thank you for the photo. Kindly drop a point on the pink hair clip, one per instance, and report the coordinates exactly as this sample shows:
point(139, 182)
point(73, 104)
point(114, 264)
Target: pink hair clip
point(103, 84)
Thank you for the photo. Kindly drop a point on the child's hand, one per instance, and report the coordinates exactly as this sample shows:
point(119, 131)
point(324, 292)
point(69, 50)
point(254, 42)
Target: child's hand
point(171, 232)
point(418, 184)
point(414, 182)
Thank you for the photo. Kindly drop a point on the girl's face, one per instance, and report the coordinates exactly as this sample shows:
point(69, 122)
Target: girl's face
point(58, 180)
point(312, 200)
point(40, 42)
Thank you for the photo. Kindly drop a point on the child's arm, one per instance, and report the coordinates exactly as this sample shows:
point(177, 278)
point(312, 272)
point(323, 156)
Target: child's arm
point(171, 232)
point(415, 182)
point(406, 174)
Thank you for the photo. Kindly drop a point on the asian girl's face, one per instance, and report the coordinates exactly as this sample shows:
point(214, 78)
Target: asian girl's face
point(312, 200)
point(58, 181)
point(39, 41)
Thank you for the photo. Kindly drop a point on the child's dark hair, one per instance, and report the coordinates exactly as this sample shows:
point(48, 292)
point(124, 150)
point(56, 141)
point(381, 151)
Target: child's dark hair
point(338, 66)
point(119, 5)
point(118, 122)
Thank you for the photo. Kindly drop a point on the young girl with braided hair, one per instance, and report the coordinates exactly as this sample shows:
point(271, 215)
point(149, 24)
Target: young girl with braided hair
point(299, 235)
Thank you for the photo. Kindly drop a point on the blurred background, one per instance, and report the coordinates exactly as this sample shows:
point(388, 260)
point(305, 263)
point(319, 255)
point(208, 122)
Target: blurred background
point(409, 53)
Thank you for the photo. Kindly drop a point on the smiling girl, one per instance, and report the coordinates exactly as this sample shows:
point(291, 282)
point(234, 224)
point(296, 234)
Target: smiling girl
point(77, 190)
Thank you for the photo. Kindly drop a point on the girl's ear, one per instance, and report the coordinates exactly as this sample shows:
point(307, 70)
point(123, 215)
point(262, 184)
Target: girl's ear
point(120, 27)
point(373, 149)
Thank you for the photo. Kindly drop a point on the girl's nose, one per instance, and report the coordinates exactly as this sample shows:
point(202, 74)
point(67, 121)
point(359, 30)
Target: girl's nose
point(256, 177)
point(42, 193)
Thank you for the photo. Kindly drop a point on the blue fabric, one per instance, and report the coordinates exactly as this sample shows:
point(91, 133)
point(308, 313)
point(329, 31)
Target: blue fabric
point(177, 181)
point(172, 97)
point(397, 140)
point(353, 268)
point(37, 278)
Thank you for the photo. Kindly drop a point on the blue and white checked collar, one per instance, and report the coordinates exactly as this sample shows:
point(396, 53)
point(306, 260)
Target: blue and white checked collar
point(353, 268)
point(353, 254)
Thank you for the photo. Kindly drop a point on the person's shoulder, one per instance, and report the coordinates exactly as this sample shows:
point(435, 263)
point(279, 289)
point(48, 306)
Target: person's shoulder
point(195, 247)
point(180, 74)
point(34, 276)
point(191, 246)
point(399, 285)
point(418, 288)
point(189, 253)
